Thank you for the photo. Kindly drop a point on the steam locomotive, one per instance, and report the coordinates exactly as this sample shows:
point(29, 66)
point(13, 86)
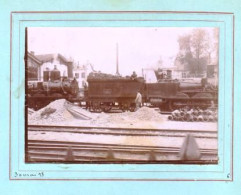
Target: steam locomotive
point(105, 92)
point(53, 87)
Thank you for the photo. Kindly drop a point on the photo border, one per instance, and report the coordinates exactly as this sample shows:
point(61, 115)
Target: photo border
point(17, 21)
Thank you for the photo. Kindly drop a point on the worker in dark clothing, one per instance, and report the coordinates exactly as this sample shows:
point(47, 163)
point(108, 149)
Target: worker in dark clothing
point(134, 75)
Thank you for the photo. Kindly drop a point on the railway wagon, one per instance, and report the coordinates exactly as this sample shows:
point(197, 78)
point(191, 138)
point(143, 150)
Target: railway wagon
point(107, 93)
point(159, 94)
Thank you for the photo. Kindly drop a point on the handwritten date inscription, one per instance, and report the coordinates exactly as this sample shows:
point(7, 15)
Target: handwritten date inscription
point(19, 175)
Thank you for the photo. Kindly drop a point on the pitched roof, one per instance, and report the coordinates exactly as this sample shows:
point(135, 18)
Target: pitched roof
point(50, 57)
point(33, 57)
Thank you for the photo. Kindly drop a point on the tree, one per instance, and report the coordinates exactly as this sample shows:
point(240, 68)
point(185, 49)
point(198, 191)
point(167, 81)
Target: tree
point(194, 51)
point(200, 49)
point(185, 55)
point(216, 43)
point(184, 42)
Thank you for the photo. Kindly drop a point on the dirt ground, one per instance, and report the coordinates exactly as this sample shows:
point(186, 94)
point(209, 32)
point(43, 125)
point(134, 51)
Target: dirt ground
point(144, 118)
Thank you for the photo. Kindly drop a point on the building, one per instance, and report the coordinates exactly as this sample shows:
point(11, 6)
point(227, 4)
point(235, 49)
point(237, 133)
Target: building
point(37, 64)
point(51, 61)
point(33, 69)
point(212, 71)
point(80, 74)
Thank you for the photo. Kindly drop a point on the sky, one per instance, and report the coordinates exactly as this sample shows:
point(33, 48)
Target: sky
point(139, 47)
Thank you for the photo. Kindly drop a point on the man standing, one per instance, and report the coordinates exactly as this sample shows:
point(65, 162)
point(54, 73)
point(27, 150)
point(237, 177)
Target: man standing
point(138, 100)
point(134, 75)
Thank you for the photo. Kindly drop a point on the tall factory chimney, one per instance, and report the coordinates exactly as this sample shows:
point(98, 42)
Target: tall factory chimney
point(117, 65)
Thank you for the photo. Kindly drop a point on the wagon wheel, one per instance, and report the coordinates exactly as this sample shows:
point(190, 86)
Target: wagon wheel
point(106, 108)
point(97, 107)
point(124, 107)
point(91, 107)
point(132, 107)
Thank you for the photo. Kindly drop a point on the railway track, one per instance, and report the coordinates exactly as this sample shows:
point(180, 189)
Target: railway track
point(93, 152)
point(74, 152)
point(210, 134)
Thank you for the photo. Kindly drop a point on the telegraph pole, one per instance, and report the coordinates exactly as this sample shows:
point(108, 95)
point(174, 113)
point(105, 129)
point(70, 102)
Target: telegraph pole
point(117, 63)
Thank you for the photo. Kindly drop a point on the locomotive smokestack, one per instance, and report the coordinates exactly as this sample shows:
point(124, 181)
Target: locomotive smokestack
point(117, 63)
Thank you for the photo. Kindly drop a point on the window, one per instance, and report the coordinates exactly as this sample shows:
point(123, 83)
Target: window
point(82, 75)
point(32, 73)
point(32, 70)
point(183, 75)
point(76, 75)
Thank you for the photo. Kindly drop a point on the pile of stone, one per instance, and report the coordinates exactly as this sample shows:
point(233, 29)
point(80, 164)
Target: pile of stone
point(207, 115)
point(144, 114)
point(53, 113)
point(58, 111)
point(30, 111)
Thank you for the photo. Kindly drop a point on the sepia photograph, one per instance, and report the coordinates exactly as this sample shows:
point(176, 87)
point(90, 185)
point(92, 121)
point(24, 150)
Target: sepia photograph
point(136, 95)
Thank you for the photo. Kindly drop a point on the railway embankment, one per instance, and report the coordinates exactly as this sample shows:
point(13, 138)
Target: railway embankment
point(142, 136)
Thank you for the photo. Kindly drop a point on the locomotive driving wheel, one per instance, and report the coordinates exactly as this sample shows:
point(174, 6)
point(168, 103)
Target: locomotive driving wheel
point(168, 106)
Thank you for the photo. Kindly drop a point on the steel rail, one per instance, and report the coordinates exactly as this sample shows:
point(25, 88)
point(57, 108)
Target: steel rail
point(55, 151)
point(125, 131)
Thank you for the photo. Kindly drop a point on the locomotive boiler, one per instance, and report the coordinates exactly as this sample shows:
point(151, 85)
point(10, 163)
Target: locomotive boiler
point(52, 87)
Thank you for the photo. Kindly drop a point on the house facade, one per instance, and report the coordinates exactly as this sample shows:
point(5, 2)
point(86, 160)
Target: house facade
point(56, 61)
point(37, 64)
point(33, 68)
point(80, 73)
